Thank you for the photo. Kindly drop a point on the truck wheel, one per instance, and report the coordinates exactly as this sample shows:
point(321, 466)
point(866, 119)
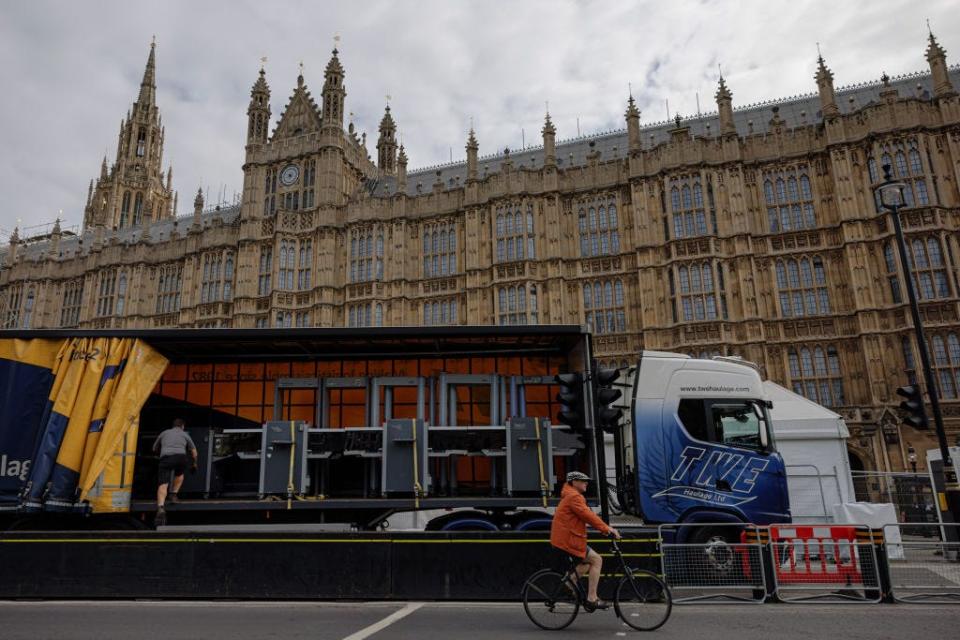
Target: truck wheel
point(717, 555)
point(462, 521)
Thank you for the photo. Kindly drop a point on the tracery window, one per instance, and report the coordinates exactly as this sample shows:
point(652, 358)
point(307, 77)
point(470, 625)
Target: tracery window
point(270, 193)
point(599, 226)
point(217, 277)
point(365, 315)
point(305, 265)
point(698, 292)
point(106, 292)
point(687, 208)
point(603, 306)
point(802, 285)
point(440, 312)
point(169, 284)
point(789, 199)
point(28, 309)
point(125, 210)
point(138, 210)
point(288, 260)
point(515, 233)
point(439, 250)
point(264, 286)
point(366, 256)
point(815, 373)
point(518, 305)
point(71, 303)
point(309, 180)
point(907, 166)
point(928, 265)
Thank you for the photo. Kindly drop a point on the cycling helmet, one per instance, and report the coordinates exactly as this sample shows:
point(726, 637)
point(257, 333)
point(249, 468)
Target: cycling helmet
point(576, 475)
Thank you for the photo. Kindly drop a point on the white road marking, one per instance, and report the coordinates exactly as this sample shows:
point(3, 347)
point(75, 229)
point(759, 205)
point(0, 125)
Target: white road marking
point(386, 622)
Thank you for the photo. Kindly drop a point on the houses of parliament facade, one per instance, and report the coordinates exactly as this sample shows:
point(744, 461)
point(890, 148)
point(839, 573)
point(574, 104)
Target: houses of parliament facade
point(752, 232)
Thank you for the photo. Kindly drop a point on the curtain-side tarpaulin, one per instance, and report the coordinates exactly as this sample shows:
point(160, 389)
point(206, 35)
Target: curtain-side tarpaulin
point(26, 377)
point(99, 387)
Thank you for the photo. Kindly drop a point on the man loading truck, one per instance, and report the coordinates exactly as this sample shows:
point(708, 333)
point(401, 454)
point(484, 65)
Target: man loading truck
point(173, 446)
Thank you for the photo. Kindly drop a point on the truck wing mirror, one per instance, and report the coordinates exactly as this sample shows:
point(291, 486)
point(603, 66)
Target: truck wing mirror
point(764, 438)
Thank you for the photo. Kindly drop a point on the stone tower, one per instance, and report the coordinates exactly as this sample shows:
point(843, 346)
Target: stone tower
point(387, 145)
point(133, 192)
point(258, 112)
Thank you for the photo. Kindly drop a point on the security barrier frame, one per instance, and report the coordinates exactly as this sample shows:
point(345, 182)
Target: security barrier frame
point(747, 559)
point(904, 588)
point(862, 544)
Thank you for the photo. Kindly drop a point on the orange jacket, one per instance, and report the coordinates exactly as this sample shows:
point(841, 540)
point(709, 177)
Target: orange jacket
point(569, 528)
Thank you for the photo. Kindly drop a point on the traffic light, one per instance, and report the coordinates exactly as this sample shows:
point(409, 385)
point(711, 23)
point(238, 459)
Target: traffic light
point(912, 407)
point(570, 398)
point(604, 395)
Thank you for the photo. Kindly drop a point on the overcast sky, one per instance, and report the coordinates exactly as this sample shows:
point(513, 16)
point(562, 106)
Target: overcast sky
point(71, 70)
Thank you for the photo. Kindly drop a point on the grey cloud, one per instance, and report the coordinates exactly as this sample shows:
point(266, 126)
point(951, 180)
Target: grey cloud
point(71, 71)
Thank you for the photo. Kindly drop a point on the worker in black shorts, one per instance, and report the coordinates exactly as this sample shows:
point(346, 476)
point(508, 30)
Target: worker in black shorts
point(176, 449)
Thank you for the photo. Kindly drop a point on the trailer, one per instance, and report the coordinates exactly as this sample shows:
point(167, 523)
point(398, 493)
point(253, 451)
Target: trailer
point(353, 426)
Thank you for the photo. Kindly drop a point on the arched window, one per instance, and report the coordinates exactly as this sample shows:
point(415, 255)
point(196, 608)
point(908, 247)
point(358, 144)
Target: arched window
point(916, 165)
point(121, 293)
point(28, 310)
point(138, 210)
point(125, 210)
point(792, 208)
point(802, 287)
point(378, 316)
point(228, 278)
point(929, 268)
point(768, 192)
point(872, 170)
point(815, 373)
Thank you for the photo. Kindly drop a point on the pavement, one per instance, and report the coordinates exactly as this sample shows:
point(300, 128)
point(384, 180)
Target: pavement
point(151, 620)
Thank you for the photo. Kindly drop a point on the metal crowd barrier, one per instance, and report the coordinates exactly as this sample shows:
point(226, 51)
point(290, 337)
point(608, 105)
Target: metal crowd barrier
point(790, 563)
point(928, 570)
point(727, 567)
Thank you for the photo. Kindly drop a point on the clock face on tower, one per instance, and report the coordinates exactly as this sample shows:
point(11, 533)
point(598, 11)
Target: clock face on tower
point(290, 174)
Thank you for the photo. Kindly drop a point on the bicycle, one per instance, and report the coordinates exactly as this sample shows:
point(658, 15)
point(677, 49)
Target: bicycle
point(552, 599)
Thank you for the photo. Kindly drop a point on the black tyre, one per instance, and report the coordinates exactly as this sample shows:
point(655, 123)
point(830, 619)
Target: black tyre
point(643, 601)
point(550, 601)
point(718, 556)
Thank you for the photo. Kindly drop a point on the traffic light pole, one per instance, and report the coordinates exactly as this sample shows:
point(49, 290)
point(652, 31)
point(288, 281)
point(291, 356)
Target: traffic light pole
point(951, 487)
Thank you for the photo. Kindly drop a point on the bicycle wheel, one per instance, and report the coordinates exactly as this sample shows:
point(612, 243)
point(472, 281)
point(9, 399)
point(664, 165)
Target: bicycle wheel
point(643, 601)
point(550, 601)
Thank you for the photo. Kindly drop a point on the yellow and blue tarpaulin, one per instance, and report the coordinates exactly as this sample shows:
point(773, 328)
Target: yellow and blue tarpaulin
point(80, 411)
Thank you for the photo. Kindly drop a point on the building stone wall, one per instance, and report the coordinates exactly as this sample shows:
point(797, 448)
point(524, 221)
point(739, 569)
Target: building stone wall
point(750, 232)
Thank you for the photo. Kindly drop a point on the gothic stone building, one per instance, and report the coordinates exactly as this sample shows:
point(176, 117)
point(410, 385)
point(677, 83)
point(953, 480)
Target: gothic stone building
point(750, 232)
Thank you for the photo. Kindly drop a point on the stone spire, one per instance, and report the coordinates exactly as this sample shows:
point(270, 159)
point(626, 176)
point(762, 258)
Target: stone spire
point(198, 209)
point(387, 145)
point(725, 109)
point(333, 93)
point(937, 58)
point(14, 245)
point(632, 115)
point(472, 148)
point(402, 171)
point(828, 98)
point(148, 86)
point(549, 133)
point(258, 111)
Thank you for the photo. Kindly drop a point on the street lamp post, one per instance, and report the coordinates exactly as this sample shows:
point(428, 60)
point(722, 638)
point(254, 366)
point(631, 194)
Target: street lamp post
point(891, 197)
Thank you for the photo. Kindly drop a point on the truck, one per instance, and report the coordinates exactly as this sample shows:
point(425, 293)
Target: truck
point(354, 426)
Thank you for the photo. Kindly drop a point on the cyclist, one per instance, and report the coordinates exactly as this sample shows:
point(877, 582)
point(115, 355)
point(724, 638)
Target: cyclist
point(568, 532)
